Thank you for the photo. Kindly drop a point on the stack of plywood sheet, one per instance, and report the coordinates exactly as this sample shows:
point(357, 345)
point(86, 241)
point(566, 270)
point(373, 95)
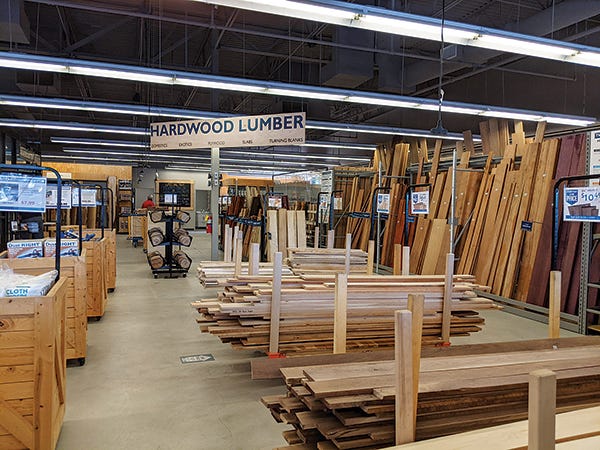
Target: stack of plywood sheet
point(352, 405)
point(240, 314)
point(220, 274)
point(325, 260)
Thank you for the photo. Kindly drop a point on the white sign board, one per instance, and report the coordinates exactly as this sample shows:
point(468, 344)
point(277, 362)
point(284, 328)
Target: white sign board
point(581, 204)
point(22, 193)
point(52, 197)
point(248, 131)
point(595, 156)
point(383, 203)
point(88, 197)
point(419, 202)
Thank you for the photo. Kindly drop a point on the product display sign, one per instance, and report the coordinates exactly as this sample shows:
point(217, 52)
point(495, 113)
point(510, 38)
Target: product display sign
point(383, 203)
point(595, 156)
point(275, 201)
point(582, 204)
point(247, 131)
point(52, 196)
point(419, 202)
point(22, 193)
point(338, 202)
point(88, 197)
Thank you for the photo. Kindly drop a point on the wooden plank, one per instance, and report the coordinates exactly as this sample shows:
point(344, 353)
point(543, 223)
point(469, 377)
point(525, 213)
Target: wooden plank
point(292, 231)
point(542, 408)
point(272, 226)
point(397, 266)
point(406, 260)
point(340, 318)
point(554, 304)
point(254, 259)
point(448, 287)
point(301, 229)
point(282, 231)
point(227, 244)
point(370, 257)
point(416, 305)
point(540, 130)
point(405, 420)
point(275, 305)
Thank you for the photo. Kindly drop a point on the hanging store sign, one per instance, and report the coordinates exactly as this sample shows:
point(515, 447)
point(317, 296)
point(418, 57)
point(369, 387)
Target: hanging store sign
point(594, 156)
point(88, 197)
point(52, 197)
point(22, 193)
point(248, 131)
point(383, 203)
point(582, 204)
point(419, 202)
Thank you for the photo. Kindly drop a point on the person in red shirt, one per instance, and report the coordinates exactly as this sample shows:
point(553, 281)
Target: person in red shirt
point(148, 203)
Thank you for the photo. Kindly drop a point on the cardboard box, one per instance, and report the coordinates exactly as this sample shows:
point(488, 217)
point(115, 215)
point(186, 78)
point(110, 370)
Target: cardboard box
point(68, 247)
point(26, 248)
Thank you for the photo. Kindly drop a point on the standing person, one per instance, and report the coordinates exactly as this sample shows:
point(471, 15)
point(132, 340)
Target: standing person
point(148, 203)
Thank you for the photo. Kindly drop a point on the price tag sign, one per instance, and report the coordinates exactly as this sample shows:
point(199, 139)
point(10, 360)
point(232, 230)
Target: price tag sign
point(582, 204)
point(383, 203)
point(52, 197)
point(88, 197)
point(22, 193)
point(338, 202)
point(595, 156)
point(419, 202)
point(275, 201)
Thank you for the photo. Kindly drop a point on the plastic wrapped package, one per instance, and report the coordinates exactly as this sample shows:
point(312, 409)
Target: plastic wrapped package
point(20, 285)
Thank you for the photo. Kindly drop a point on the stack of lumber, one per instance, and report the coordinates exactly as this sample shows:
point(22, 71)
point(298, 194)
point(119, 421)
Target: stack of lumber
point(353, 405)
point(220, 274)
point(240, 314)
point(323, 260)
point(285, 229)
point(244, 207)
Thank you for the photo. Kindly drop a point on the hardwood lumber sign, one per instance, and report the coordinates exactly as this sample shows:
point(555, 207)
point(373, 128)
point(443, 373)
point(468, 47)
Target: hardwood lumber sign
point(248, 131)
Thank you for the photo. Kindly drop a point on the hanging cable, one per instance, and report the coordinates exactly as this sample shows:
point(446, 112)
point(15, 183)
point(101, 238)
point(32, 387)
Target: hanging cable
point(439, 128)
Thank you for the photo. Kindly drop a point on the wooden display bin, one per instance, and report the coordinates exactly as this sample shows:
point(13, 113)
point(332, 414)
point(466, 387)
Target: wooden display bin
point(96, 278)
point(32, 368)
point(73, 271)
point(111, 256)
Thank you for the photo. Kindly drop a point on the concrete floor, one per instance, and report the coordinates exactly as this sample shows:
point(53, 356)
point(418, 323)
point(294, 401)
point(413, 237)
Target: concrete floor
point(134, 393)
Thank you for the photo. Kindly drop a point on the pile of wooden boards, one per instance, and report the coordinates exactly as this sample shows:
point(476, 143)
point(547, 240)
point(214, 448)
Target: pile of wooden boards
point(249, 207)
point(285, 229)
point(240, 314)
point(325, 260)
point(220, 274)
point(352, 405)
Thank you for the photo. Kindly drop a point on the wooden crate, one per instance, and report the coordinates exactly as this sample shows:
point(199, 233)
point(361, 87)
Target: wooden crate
point(136, 226)
point(32, 367)
point(73, 271)
point(111, 256)
point(96, 278)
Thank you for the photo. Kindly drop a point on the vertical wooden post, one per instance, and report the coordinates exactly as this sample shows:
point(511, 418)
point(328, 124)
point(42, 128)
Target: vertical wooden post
point(227, 244)
point(330, 238)
point(370, 257)
point(405, 430)
point(405, 260)
point(234, 237)
point(447, 305)
point(253, 259)
point(316, 240)
point(275, 304)
point(554, 304)
point(340, 317)
point(348, 250)
point(416, 305)
point(542, 410)
point(239, 243)
point(397, 259)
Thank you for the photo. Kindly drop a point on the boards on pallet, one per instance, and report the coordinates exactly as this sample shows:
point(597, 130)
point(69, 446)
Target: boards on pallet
point(346, 406)
point(285, 229)
point(323, 260)
point(240, 314)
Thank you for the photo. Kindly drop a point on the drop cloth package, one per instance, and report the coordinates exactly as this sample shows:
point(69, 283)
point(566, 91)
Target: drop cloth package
point(28, 248)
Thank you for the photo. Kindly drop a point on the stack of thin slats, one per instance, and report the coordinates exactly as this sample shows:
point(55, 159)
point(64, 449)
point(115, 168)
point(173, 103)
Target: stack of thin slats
point(349, 406)
point(320, 260)
point(240, 314)
point(220, 274)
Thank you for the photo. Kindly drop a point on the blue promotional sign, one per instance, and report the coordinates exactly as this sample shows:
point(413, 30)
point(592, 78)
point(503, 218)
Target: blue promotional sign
point(582, 204)
point(526, 226)
point(22, 193)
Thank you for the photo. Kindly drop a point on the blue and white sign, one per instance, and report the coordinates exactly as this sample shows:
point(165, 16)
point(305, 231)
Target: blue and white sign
point(595, 156)
point(582, 204)
point(248, 131)
point(419, 202)
point(88, 197)
point(52, 197)
point(383, 203)
point(22, 193)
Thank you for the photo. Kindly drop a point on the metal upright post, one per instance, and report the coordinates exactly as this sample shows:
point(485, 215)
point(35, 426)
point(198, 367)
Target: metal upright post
point(453, 201)
point(377, 248)
point(214, 203)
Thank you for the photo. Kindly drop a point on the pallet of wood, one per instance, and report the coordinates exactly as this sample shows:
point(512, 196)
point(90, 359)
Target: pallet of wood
point(325, 260)
point(32, 369)
point(240, 314)
point(96, 278)
point(350, 406)
point(73, 272)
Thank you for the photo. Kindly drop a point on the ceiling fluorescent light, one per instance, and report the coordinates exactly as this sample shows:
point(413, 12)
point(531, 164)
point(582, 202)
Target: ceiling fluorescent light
point(71, 126)
point(421, 27)
point(101, 142)
point(123, 72)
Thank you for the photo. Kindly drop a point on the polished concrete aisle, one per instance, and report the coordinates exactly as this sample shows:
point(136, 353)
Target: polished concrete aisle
point(134, 393)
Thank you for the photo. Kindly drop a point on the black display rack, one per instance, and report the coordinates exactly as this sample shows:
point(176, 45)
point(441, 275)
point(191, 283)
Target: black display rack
point(170, 267)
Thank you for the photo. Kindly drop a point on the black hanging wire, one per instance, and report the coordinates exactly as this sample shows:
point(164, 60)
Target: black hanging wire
point(439, 128)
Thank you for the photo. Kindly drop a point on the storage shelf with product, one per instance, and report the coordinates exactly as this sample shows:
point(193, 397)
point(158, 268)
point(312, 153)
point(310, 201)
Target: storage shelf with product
point(167, 233)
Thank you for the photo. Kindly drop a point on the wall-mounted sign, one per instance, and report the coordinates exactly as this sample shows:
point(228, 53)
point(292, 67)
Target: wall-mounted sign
point(582, 204)
point(124, 185)
point(22, 193)
point(88, 197)
point(594, 156)
point(419, 202)
point(383, 203)
point(52, 197)
point(247, 131)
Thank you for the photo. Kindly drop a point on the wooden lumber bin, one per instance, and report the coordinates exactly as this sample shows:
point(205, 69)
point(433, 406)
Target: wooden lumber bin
point(96, 279)
point(32, 369)
point(73, 271)
point(110, 271)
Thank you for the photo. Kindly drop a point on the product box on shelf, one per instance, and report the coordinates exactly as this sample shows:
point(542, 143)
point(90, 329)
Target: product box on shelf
point(68, 247)
point(26, 248)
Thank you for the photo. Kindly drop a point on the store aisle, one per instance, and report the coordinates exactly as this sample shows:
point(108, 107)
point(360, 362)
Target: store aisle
point(134, 393)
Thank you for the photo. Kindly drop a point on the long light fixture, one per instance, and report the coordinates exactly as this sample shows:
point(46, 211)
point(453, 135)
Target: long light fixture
point(72, 126)
point(178, 78)
point(403, 24)
point(156, 111)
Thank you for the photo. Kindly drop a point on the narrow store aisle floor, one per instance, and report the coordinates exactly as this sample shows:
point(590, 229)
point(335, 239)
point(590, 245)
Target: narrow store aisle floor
point(134, 393)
